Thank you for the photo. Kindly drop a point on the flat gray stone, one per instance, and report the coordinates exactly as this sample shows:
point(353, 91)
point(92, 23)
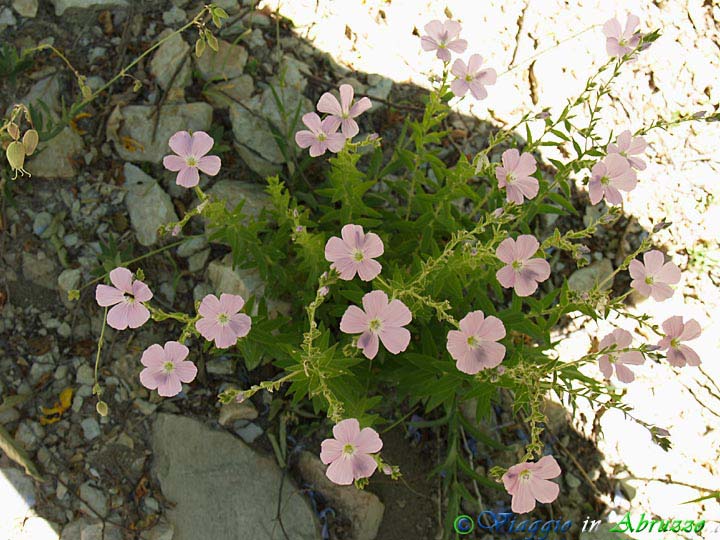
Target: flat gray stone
point(62, 5)
point(166, 61)
point(586, 278)
point(227, 63)
point(131, 128)
point(243, 281)
point(26, 8)
point(221, 488)
point(54, 158)
point(225, 93)
point(148, 205)
point(18, 498)
point(234, 191)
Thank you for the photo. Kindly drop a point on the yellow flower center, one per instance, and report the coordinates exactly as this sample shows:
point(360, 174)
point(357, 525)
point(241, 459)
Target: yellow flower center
point(358, 255)
point(375, 325)
point(168, 367)
point(191, 161)
point(223, 318)
point(348, 449)
point(472, 341)
point(649, 280)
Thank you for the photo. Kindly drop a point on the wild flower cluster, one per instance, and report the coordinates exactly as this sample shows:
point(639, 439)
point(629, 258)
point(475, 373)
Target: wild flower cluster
point(417, 283)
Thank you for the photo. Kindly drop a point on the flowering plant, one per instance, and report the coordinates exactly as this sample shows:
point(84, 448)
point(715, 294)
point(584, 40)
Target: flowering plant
point(414, 283)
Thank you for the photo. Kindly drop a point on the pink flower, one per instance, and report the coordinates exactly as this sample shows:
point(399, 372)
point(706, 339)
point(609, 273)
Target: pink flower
point(628, 146)
point(514, 173)
point(655, 276)
point(529, 482)
point(343, 112)
point(126, 297)
point(471, 77)
point(381, 320)
point(521, 271)
point(349, 453)
point(610, 175)
point(166, 368)
point(442, 37)
point(619, 43)
point(354, 253)
point(190, 158)
point(473, 346)
point(322, 135)
point(622, 339)
point(676, 331)
point(221, 320)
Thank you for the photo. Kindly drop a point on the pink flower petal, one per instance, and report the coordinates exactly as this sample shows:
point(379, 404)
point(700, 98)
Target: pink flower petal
point(435, 29)
point(526, 165)
point(335, 142)
point(346, 431)
point(312, 121)
point(612, 28)
point(637, 270)
point(605, 366)
point(340, 471)
point(201, 144)
point(336, 249)
point(457, 344)
point(175, 351)
point(623, 373)
point(231, 303)
point(546, 468)
point(524, 285)
point(137, 315)
point(472, 323)
point(691, 357)
point(372, 246)
point(396, 340)
point(523, 501)
point(347, 267)
point(375, 303)
point(661, 291)
point(329, 104)
point(369, 344)
point(510, 159)
point(170, 386)
point(122, 279)
point(428, 43)
point(330, 450)
point(209, 328)
point(105, 295)
point(240, 324)
point(489, 354)
point(346, 96)
point(153, 356)
point(185, 371)
point(174, 163)
point(526, 246)
point(181, 143)
point(151, 377)
point(506, 251)
point(477, 89)
point(491, 329)
point(141, 291)
point(210, 306)
point(188, 177)
point(349, 129)
point(506, 276)
point(360, 107)
point(544, 491)
point(369, 269)
point(654, 261)
point(318, 148)
point(673, 326)
point(396, 314)
point(118, 317)
point(669, 273)
point(354, 321)
point(459, 87)
point(459, 69)
point(305, 138)
point(691, 330)
point(457, 45)
point(363, 465)
point(368, 441)
point(210, 165)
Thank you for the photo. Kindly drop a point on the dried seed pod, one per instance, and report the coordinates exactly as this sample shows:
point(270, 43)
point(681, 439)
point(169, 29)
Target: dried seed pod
point(15, 154)
point(30, 141)
point(13, 130)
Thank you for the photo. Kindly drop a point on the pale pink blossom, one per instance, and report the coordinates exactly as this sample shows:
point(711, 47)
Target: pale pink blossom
point(655, 276)
point(355, 253)
point(619, 360)
point(443, 38)
point(629, 147)
point(529, 482)
point(343, 112)
point(126, 297)
point(166, 368)
point(619, 42)
point(474, 346)
point(221, 320)
point(349, 453)
point(381, 320)
point(191, 157)
point(515, 175)
point(679, 354)
point(610, 175)
point(322, 135)
point(522, 271)
point(471, 77)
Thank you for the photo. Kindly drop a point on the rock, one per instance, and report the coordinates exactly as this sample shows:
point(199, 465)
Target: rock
point(292, 73)
point(38, 268)
point(26, 8)
point(131, 128)
point(85, 375)
point(18, 498)
point(249, 432)
point(174, 16)
point(379, 87)
point(161, 531)
point(47, 91)
point(37, 528)
point(245, 282)
point(222, 365)
point(224, 94)
point(572, 481)
point(230, 489)
point(148, 205)
point(54, 158)
point(62, 5)
point(94, 498)
point(91, 428)
point(41, 223)
point(230, 412)
point(233, 192)
point(227, 63)
point(191, 246)
point(166, 61)
point(38, 370)
point(90, 528)
point(9, 415)
point(197, 261)
point(69, 280)
point(584, 279)
point(362, 508)
point(7, 18)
